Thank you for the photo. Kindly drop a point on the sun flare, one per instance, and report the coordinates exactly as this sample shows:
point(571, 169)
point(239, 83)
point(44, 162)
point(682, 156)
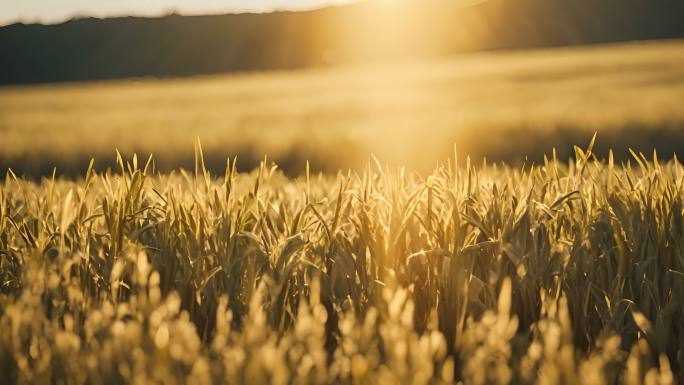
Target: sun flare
point(339, 192)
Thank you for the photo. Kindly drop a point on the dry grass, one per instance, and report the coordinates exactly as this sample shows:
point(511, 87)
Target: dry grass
point(487, 103)
point(552, 274)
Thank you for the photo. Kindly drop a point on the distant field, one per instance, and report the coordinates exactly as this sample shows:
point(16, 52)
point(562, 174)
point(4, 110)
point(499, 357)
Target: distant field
point(498, 105)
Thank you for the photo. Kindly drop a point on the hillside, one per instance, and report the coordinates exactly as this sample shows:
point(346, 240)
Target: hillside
point(90, 49)
point(526, 102)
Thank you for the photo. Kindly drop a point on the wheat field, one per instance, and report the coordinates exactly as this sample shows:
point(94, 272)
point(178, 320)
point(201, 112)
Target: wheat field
point(501, 105)
point(556, 273)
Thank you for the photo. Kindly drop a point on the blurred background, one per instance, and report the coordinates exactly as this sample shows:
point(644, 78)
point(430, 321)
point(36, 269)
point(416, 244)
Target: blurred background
point(335, 81)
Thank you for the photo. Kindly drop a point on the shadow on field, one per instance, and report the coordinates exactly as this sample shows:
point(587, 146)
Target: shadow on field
point(510, 145)
point(520, 145)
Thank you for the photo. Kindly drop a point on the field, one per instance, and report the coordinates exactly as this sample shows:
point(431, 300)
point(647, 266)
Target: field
point(560, 273)
point(505, 106)
point(417, 222)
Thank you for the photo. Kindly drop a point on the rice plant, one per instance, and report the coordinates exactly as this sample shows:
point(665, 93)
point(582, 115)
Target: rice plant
point(555, 273)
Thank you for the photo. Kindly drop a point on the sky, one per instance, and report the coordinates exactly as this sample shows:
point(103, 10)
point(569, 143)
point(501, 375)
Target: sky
point(54, 11)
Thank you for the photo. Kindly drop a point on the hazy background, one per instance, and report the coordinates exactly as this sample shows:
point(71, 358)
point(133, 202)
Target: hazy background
point(406, 80)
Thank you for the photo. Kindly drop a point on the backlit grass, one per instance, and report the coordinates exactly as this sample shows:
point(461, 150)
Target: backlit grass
point(557, 273)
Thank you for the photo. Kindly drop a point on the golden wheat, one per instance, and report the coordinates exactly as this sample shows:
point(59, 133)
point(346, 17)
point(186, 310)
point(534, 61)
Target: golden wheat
point(550, 274)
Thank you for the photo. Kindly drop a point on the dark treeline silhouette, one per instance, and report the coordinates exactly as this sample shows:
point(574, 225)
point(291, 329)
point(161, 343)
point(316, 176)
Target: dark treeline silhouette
point(89, 49)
